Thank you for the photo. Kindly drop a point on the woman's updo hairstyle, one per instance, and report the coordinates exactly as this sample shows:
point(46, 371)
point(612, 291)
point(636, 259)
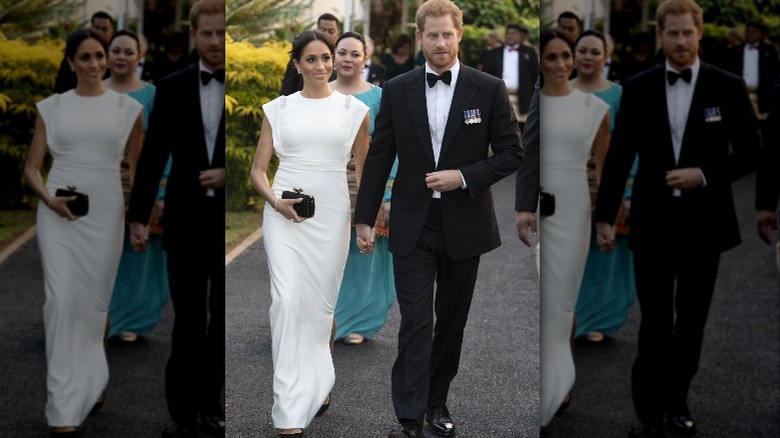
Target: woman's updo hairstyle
point(304, 38)
point(76, 38)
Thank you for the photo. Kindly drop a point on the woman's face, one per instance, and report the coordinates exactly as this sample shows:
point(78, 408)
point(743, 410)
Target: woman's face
point(557, 62)
point(89, 63)
point(123, 56)
point(589, 57)
point(316, 63)
point(350, 57)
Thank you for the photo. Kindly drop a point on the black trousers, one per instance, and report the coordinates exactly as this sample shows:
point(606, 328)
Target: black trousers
point(195, 373)
point(669, 348)
point(428, 354)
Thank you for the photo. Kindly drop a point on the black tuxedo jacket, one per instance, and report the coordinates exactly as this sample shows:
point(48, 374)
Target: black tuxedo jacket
point(707, 215)
point(529, 72)
point(149, 72)
point(176, 129)
point(615, 71)
point(768, 68)
point(768, 174)
point(527, 179)
point(377, 73)
point(401, 127)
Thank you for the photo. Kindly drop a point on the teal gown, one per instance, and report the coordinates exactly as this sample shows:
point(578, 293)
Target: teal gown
point(368, 287)
point(141, 286)
point(607, 289)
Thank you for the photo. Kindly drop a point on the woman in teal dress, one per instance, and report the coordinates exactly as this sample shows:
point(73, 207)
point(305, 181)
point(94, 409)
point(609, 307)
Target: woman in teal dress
point(141, 286)
point(607, 289)
point(368, 287)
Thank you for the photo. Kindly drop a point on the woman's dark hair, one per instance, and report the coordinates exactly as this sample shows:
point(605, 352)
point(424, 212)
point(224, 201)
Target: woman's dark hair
point(354, 35)
point(593, 33)
point(401, 41)
point(127, 33)
point(547, 35)
point(304, 38)
point(76, 38)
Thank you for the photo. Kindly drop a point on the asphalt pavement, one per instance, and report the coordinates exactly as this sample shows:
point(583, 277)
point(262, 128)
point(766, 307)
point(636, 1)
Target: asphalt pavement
point(495, 395)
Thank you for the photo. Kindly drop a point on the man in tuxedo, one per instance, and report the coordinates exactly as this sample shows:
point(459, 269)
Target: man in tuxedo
point(293, 82)
point(518, 65)
point(188, 123)
point(527, 178)
point(757, 62)
point(442, 121)
point(611, 69)
point(373, 72)
point(681, 118)
point(146, 70)
point(103, 24)
point(569, 23)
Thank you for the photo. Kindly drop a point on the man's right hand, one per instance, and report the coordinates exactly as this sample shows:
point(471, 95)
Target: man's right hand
point(365, 238)
point(139, 236)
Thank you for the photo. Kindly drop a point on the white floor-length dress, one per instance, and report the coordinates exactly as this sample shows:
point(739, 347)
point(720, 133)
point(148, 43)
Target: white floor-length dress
point(313, 139)
point(86, 136)
point(568, 127)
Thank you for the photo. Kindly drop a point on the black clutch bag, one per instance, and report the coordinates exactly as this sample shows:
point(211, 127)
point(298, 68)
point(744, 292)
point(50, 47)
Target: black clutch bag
point(79, 206)
point(546, 204)
point(304, 208)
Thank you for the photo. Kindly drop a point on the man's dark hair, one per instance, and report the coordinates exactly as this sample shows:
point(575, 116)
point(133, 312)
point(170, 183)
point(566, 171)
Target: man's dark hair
point(328, 17)
point(763, 28)
point(568, 14)
point(103, 15)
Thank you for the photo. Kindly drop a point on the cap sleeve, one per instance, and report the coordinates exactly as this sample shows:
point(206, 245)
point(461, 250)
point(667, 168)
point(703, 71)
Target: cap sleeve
point(272, 110)
point(356, 111)
point(129, 109)
point(46, 111)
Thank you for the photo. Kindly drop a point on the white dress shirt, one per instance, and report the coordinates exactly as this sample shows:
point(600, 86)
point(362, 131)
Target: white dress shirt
point(438, 101)
point(366, 71)
point(678, 102)
point(750, 66)
point(212, 104)
point(511, 73)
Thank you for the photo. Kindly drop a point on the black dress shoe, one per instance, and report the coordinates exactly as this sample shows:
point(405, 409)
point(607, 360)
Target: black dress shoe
point(681, 424)
point(213, 424)
point(408, 430)
point(440, 422)
point(646, 432)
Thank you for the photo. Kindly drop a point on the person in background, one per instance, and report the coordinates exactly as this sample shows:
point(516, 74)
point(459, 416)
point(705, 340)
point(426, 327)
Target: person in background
point(141, 285)
point(400, 60)
point(569, 23)
point(367, 289)
point(612, 68)
point(373, 72)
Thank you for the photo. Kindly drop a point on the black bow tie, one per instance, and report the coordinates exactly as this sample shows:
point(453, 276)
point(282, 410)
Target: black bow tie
point(445, 77)
point(205, 76)
point(673, 76)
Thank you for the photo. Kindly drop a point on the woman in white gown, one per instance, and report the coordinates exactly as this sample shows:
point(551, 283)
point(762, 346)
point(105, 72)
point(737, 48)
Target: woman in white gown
point(86, 130)
point(314, 132)
point(572, 124)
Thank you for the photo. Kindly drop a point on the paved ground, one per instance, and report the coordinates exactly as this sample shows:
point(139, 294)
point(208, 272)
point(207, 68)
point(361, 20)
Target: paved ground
point(496, 393)
point(736, 392)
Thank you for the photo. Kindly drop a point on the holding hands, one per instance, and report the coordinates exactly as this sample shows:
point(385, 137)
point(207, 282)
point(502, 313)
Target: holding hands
point(605, 235)
point(365, 238)
point(139, 236)
point(526, 220)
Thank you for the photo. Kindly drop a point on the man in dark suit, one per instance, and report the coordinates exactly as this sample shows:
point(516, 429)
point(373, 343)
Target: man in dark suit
point(103, 24)
point(293, 82)
point(146, 70)
point(681, 118)
point(757, 62)
point(768, 177)
point(373, 72)
point(442, 121)
point(518, 65)
point(188, 124)
point(527, 178)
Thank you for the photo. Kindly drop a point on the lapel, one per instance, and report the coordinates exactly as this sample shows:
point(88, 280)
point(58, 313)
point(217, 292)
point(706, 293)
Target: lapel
point(659, 94)
point(414, 90)
point(465, 91)
point(696, 111)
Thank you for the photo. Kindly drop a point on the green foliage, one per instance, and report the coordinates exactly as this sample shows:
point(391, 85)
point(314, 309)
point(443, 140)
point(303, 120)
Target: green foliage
point(254, 77)
point(27, 74)
point(493, 13)
point(261, 20)
point(31, 19)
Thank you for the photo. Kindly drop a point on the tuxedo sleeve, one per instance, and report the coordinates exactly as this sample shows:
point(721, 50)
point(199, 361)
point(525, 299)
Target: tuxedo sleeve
point(768, 174)
point(621, 153)
point(379, 161)
point(154, 155)
point(527, 179)
point(505, 142)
